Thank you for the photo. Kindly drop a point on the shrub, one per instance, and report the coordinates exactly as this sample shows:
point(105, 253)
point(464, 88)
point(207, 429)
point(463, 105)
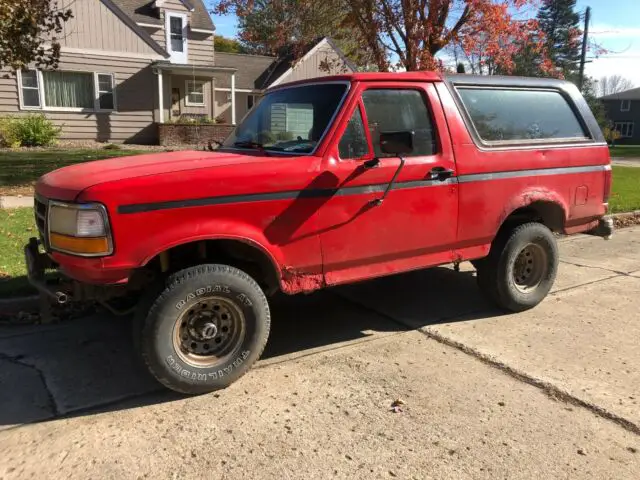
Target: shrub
point(284, 136)
point(28, 131)
point(266, 137)
point(8, 136)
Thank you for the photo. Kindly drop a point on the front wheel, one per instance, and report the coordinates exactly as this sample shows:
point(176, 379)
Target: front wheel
point(521, 267)
point(205, 330)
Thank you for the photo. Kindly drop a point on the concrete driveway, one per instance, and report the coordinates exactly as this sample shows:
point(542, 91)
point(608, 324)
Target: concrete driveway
point(550, 393)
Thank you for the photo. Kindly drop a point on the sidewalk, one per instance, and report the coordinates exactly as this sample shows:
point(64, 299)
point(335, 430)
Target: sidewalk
point(625, 162)
point(8, 201)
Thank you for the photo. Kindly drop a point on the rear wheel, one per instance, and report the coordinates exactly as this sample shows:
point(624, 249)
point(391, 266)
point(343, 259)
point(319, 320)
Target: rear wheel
point(205, 330)
point(521, 267)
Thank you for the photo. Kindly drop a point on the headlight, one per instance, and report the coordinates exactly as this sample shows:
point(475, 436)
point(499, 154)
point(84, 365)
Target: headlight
point(79, 229)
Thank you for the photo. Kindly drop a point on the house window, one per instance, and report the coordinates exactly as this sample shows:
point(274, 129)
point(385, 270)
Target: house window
point(624, 128)
point(105, 83)
point(68, 91)
point(250, 101)
point(625, 105)
point(195, 93)
point(30, 89)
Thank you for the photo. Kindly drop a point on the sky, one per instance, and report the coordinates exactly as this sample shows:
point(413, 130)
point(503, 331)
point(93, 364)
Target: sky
point(615, 26)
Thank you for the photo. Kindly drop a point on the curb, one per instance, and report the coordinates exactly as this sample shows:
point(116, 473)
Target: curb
point(625, 214)
point(11, 306)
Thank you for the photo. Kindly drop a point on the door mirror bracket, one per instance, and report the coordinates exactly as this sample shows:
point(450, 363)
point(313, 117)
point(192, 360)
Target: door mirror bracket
point(395, 143)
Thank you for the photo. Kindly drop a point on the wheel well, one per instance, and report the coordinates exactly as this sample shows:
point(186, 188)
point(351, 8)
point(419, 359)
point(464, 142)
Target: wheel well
point(235, 253)
point(550, 214)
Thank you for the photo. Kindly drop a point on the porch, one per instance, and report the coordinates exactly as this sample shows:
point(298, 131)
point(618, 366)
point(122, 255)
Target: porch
point(187, 93)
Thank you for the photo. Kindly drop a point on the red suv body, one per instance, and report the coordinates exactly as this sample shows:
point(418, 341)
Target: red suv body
point(343, 179)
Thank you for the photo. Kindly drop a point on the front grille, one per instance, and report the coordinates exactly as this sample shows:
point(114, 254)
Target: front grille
point(41, 207)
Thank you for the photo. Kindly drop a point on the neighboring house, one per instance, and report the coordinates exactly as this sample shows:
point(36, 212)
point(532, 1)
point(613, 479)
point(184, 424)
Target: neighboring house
point(256, 73)
point(623, 109)
point(116, 56)
point(127, 65)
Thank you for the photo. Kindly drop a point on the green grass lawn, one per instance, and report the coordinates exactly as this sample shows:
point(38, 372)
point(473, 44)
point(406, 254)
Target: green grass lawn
point(625, 193)
point(625, 151)
point(16, 226)
point(19, 169)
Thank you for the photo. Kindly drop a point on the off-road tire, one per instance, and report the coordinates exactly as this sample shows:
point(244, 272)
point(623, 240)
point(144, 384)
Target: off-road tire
point(189, 288)
point(495, 273)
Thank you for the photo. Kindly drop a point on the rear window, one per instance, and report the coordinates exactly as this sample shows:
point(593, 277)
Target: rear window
point(520, 115)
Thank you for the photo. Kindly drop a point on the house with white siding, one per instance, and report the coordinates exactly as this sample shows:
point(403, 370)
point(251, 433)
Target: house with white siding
point(128, 65)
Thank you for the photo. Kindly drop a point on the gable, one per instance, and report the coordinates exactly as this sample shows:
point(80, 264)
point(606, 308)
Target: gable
point(100, 25)
point(322, 59)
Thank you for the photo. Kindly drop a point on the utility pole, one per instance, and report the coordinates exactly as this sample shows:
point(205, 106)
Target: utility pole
point(583, 56)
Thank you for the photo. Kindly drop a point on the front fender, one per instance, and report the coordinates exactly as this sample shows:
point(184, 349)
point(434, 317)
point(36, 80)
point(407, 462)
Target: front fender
point(215, 229)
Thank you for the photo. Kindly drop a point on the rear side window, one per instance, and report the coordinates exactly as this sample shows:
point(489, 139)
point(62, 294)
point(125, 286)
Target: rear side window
point(520, 115)
point(391, 110)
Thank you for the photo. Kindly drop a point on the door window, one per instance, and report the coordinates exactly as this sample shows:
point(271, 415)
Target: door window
point(353, 143)
point(175, 31)
point(391, 110)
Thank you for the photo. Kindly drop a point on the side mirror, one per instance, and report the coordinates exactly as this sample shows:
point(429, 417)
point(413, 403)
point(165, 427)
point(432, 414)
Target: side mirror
point(396, 143)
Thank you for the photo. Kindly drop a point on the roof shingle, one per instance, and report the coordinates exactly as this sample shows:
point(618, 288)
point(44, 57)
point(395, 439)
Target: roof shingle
point(632, 94)
point(143, 11)
point(252, 69)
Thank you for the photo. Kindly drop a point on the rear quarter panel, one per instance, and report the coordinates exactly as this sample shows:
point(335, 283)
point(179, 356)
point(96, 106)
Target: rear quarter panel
point(486, 200)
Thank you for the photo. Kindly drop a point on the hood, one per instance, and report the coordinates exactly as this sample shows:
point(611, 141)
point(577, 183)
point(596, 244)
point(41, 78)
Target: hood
point(67, 182)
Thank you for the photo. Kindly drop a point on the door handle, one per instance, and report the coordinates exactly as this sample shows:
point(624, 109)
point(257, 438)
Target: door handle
point(441, 173)
point(374, 162)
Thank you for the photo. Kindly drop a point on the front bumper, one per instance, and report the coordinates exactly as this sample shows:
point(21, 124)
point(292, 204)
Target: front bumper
point(604, 228)
point(37, 263)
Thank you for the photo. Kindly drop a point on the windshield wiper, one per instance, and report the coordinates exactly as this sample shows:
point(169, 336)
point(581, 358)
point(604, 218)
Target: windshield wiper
point(250, 144)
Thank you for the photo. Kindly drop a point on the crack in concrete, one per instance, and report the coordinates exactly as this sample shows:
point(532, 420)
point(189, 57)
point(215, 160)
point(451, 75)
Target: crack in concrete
point(567, 289)
point(548, 388)
point(551, 390)
point(597, 267)
point(53, 406)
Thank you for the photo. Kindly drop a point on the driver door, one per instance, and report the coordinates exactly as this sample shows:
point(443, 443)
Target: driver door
point(415, 225)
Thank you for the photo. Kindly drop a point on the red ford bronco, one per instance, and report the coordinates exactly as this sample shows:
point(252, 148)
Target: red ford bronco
point(325, 182)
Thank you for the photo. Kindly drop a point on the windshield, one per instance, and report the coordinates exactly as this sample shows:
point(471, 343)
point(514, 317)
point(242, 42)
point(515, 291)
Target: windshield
point(289, 120)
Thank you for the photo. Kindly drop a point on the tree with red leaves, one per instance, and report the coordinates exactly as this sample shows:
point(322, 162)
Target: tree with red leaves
point(407, 34)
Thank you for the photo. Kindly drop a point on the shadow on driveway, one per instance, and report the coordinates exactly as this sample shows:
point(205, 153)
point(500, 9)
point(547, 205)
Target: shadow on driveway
point(85, 367)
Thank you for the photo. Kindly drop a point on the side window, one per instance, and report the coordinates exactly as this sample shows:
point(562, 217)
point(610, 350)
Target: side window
point(391, 110)
point(513, 115)
point(353, 143)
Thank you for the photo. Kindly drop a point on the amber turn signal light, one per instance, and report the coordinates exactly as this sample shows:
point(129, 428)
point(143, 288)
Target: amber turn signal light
point(89, 245)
